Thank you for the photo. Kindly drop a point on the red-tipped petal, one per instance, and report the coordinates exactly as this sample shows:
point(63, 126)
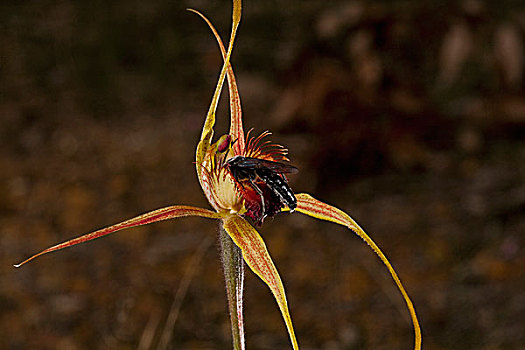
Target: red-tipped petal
point(258, 259)
point(236, 128)
point(308, 205)
point(153, 216)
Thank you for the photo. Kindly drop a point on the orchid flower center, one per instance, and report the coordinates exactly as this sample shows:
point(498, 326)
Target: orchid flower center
point(252, 184)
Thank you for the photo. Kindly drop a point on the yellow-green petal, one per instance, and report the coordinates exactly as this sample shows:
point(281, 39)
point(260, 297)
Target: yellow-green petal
point(209, 123)
point(236, 127)
point(308, 205)
point(167, 213)
point(258, 259)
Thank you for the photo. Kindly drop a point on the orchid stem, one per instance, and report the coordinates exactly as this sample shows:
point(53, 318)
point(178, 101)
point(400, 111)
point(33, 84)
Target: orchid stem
point(233, 267)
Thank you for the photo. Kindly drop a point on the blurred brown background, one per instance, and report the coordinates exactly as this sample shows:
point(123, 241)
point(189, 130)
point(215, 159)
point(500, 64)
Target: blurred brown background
point(407, 114)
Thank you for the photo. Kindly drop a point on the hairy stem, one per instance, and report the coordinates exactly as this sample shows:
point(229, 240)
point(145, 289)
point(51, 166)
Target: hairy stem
point(233, 267)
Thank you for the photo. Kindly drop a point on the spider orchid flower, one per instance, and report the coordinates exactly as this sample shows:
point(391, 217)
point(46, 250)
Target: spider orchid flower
point(236, 198)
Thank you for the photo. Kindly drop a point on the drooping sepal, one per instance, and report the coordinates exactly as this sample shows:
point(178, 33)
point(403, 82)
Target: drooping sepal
point(258, 259)
point(308, 205)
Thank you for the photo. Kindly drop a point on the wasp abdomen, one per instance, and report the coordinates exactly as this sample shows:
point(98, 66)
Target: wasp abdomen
point(279, 186)
point(267, 179)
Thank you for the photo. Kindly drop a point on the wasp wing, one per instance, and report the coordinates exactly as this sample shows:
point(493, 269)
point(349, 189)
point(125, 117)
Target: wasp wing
point(257, 164)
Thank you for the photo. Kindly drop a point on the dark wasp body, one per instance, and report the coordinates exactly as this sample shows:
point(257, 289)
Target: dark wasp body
point(254, 170)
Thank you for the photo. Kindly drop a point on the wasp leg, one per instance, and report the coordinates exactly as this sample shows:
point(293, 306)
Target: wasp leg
point(259, 191)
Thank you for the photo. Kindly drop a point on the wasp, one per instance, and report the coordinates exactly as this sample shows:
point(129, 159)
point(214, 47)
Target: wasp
point(261, 173)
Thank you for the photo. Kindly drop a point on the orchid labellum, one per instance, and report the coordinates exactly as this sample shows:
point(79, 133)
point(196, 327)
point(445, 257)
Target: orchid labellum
point(259, 189)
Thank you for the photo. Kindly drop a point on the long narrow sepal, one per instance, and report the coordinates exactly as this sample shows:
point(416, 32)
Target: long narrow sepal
point(148, 218)
point(308, 205)
point(258, 259)
point(236, 128)
point(209, 123)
